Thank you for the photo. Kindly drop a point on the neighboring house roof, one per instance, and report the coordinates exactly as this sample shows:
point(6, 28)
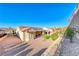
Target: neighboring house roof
point(29, 29)
point(34, 30)
point(3, 29)
point(6, 30)
point(24, 28)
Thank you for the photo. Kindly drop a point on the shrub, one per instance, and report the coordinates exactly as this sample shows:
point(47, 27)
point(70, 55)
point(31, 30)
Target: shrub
point(77, 31)
point(46, 36)
point(69, 33)
point(54, 36)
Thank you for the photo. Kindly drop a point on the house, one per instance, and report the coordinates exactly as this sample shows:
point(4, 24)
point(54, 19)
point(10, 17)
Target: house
point(6, 30)
point(50, 30)
point(2, 33)
point(26, 33)
point(20, 33)
point(9, 31)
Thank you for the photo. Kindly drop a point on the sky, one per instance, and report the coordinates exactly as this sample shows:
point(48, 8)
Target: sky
point(35, 14)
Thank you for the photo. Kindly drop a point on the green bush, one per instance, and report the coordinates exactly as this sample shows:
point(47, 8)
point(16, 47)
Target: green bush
point(69, 33)
point(46, 36)
point(54, 36)
point(77, 31)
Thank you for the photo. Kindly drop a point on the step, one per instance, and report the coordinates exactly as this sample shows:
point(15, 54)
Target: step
point(16, 50)
point(39, 53)
point(18, 45)
point(33, 52)
point(24, 52)
point(11, 46)
point(14, 47)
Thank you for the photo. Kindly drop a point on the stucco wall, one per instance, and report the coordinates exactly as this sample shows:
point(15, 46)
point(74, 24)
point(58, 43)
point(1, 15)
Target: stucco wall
point(19, 33)
point(26, 36)
point(54, 48)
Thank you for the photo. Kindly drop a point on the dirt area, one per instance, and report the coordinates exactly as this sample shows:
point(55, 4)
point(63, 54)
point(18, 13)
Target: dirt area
point(9, 40)
point(38, 44)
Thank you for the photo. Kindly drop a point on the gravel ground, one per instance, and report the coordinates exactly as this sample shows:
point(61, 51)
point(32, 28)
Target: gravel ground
point(70, 49)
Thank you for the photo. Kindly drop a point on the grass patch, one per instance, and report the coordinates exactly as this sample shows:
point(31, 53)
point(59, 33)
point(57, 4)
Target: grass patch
point(53, 37)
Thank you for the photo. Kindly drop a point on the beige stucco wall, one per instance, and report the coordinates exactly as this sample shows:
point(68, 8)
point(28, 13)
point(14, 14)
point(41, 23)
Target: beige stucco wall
point(26, 36)
point(19, 33)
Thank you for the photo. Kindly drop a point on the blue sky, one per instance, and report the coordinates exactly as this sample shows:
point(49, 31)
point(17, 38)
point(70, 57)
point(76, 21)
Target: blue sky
point(35, 14)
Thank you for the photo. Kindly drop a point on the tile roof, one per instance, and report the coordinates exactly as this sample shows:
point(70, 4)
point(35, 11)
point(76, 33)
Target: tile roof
point(30, 29)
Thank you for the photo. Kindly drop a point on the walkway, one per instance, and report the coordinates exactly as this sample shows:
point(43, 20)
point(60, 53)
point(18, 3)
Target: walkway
point(70, 49)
